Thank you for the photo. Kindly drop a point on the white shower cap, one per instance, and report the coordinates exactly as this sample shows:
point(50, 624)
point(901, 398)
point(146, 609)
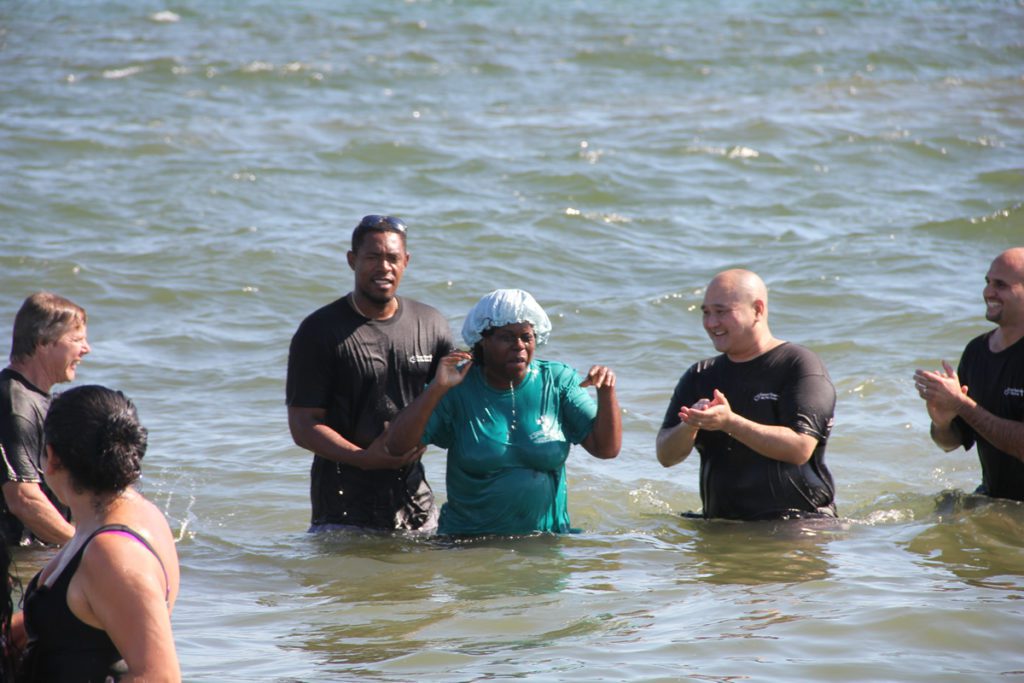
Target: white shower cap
point(505, 307)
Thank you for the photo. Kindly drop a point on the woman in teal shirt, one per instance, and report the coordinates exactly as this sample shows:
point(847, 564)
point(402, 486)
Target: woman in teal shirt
point(508, 420)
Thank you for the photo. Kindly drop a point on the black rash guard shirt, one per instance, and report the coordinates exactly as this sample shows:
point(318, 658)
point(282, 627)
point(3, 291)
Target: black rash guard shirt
point(996, 382)
point(786, 386)
point(363, 372)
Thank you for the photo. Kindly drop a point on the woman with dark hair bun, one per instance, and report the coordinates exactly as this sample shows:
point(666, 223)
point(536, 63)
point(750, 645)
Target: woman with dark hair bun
point(101, 608)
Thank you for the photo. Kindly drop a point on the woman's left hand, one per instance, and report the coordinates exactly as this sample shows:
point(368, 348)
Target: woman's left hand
point(605, 438)
point(599, 377)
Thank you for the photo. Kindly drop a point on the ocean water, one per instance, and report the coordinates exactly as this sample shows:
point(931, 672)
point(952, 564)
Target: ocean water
point(190, 173)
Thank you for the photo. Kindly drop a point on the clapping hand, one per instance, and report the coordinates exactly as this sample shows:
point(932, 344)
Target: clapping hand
point(710, 414)
point(942, 392)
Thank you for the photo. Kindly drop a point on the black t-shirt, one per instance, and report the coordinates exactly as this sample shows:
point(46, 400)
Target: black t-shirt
point(787, 386)
point(996, 382)
point(363, 372)
point(23, 408)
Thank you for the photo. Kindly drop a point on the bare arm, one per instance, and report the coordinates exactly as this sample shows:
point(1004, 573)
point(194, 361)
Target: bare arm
point(1006, 435)
point(408, 427)
point(772, 441)
point(936, 389)
point(120, 588)
point(310, 431)
point(946, 399)
point(945, 436)
point(674, 444)
point(775, 442)
point(19, 636)
point(26, 500)
point(605, 437)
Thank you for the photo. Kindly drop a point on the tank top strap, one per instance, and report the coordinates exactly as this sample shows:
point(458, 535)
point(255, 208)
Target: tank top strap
point(123, 530)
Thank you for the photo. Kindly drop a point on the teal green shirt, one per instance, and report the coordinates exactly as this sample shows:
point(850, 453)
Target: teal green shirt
point(507, 450)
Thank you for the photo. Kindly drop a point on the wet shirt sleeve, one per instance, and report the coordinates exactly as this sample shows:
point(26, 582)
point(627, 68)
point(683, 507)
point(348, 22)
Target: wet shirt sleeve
point(19, 444)
point(578, 408)
point(309, 381)
point(439, 431)
point(684, 395)
point(809, 406)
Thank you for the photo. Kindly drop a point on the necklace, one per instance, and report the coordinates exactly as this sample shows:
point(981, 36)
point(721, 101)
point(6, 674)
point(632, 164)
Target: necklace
point(355, 306)
point(385, 315)
point(513, 424)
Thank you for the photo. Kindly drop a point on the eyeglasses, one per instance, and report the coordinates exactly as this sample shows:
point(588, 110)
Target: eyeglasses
point(509, 339)
point(377, 222)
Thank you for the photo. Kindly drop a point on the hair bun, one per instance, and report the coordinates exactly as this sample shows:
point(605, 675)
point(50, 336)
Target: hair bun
point(122, 442)
point(97, 434)
point(118, 429)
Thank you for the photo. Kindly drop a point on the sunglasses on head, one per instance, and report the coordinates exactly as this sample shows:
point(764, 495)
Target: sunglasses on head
point(378, 222)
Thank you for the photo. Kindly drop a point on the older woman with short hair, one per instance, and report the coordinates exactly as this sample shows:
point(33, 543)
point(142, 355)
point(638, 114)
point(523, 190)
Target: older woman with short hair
point(508, 421)
point(100, 609)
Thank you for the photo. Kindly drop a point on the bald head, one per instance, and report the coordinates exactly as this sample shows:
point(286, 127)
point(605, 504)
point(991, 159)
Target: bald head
point(1013, 259)
point(739, 286)
point(1004, 293)
point(735, 312)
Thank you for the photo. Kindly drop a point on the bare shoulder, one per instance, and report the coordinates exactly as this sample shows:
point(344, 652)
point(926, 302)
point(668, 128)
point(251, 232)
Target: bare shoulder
point(146, 518)
point(118, 554)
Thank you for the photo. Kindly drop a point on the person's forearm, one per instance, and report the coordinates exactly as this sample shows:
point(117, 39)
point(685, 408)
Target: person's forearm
point(28, 503)
point(18, 635)
point(310, 430)
point(47, 524)
point(945, 436)
point(407, 428)
point(329, 444)
point(1006, 435)
point(166, 671)
point(607, 430)
point(775, 442)
point(675, 444)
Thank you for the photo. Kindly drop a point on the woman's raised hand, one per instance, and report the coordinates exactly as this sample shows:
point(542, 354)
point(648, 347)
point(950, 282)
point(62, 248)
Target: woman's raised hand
point(453, 368)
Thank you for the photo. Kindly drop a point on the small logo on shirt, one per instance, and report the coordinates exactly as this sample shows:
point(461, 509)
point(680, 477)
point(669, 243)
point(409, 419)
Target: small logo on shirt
point(766, 396)
point(549, 431)
point(421, 359)
point(1013, 391)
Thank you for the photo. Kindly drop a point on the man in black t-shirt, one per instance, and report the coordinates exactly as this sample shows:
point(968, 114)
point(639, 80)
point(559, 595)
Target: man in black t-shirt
point(48, 343)
point(759, 414)
point(352, 366)
point(983, 401)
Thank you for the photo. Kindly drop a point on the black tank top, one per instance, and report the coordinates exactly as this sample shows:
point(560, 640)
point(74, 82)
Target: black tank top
point(61, 647)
